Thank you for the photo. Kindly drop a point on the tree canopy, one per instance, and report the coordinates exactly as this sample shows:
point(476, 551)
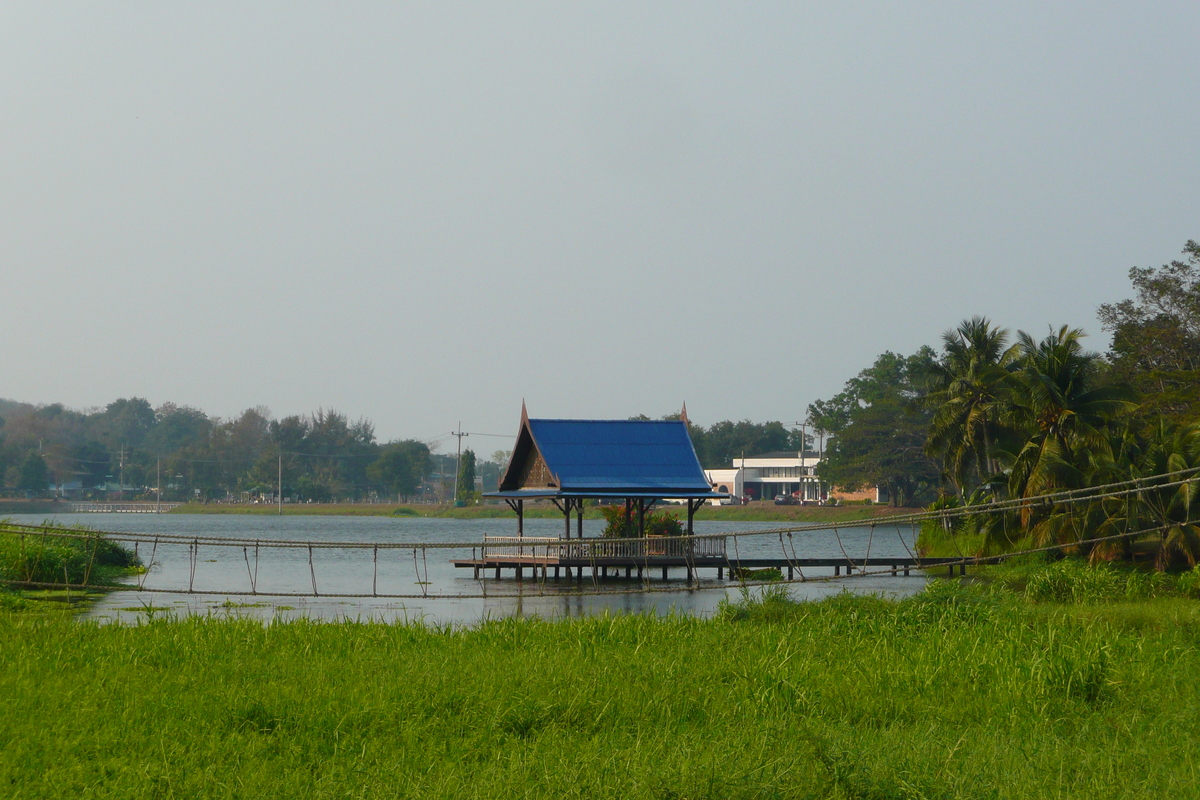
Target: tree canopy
point(325, 455)
point(880, 428)
point(1156, 336)
point(466, 477)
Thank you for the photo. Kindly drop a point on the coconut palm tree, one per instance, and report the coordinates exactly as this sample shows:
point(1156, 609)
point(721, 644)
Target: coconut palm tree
point(970, 385)
point(1171, 511)
point(1056, 398)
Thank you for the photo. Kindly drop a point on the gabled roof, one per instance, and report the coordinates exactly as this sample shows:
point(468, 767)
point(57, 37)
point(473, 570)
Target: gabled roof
point(599, 458)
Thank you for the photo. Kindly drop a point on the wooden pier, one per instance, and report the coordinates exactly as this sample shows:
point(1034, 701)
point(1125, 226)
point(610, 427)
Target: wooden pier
point(609, 558)
point(138, 507)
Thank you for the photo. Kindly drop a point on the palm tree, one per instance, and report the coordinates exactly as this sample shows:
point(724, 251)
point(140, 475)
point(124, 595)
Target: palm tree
point(1056, 398)
point(1172, 511)
point(970, 384)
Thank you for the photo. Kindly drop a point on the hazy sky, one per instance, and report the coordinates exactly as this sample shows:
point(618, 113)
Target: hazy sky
point(424, 213)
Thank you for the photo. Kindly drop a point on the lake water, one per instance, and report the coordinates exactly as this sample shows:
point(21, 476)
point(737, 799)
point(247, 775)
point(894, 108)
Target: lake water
point(444, 595)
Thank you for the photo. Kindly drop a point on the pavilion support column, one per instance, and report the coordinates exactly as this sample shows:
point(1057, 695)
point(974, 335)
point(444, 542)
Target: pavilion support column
point(692, 506)
point(628, 512)
point(641, 518)
point(521, 518)
point(578, 519)
point(567, 518)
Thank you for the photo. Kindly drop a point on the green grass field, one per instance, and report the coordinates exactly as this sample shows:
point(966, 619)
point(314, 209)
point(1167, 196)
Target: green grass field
point(962, 691)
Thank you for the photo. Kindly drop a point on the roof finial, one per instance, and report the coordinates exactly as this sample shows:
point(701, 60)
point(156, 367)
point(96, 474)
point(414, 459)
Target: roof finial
point(524, 413)
point(683, 417)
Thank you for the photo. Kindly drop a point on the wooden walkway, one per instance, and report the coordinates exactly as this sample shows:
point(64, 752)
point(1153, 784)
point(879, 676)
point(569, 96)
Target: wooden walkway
point(140, 507)
point(640, 567)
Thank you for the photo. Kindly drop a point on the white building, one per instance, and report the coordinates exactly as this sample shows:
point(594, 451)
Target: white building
point(766, 476)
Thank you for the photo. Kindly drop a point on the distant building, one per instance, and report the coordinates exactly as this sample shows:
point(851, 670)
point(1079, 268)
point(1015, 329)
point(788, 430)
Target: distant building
point(765, 476)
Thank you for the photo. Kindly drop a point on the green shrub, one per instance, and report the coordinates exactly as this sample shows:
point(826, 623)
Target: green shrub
point(616, 526)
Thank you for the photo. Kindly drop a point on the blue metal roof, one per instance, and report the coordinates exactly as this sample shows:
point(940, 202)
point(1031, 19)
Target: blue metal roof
point(602, 457)
point(619, 454)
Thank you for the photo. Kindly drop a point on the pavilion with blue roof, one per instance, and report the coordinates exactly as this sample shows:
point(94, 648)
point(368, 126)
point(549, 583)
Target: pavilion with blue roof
point(567, 461)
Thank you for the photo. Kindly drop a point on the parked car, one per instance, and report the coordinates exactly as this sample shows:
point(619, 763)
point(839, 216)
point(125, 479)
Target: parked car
point(785, 500)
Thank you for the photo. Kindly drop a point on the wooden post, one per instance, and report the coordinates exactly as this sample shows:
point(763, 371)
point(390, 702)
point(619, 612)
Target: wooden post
point(579, 518)
point(691, 515)
point(628, 572)
point(641, 518)
point(520, 519)
point(664, 573)
point(567, 518)
point(520, 570)
point(497, 572)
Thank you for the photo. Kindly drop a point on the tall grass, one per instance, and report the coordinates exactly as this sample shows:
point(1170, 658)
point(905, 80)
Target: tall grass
point(34, 558)
point(961, 691)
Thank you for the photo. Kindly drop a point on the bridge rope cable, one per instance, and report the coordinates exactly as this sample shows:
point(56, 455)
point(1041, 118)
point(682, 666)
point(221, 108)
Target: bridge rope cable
point(792, 544)
point(907, 549)
point(849, 563)
point(870, 541)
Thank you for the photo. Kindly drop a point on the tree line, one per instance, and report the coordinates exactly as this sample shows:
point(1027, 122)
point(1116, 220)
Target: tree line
point(131, 447)
point(991, 416)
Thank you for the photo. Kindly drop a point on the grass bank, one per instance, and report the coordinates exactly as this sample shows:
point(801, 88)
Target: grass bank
point(962, 691)
point(8, 507)
point(753, 512)
point(34, 558)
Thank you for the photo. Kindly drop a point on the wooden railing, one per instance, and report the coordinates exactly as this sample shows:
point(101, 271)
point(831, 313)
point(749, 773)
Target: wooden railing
point(531, 547)
point(587, 549)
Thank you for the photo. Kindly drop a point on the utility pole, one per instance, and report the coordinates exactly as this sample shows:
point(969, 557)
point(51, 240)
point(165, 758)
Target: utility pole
point(121, 487)
point(458, 458)
point(279, 486)
point(158, 485)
